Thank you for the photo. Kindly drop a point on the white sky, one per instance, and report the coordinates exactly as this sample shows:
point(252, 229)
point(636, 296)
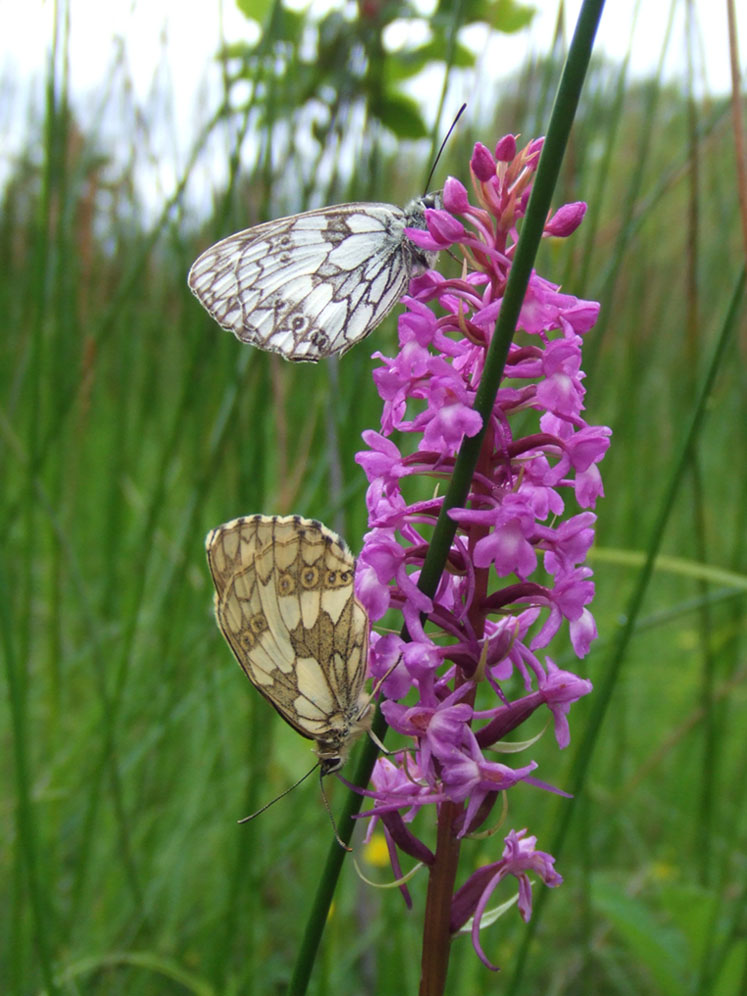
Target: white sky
point(174, 41)
point(193, 27)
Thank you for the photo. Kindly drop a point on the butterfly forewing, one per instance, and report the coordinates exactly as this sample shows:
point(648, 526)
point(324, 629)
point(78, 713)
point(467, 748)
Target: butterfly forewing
point(312, 284)
point(286, 606)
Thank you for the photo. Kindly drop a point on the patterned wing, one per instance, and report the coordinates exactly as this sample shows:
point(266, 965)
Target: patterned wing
point(312, 284)
point(285, 604)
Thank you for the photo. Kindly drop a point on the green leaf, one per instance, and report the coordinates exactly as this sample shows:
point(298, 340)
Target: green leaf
point(691, 908)
point(511, 16)
point(235, 50)
point(255, 10)
point(654, 946)
point(283, 25)
point(400, 115)
point(403, 65)
point(729, 981)
point(502, 15)
point(706, 923)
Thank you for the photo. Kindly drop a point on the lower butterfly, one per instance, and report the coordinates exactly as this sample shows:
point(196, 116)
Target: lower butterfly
point(313, 284)
point(285, 603)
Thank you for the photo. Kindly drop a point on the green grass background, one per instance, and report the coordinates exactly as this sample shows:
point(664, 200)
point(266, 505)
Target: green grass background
point(130, 425)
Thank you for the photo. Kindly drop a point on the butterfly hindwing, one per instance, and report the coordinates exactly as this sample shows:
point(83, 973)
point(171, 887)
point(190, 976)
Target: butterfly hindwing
point(286, 606)
point(312, 284)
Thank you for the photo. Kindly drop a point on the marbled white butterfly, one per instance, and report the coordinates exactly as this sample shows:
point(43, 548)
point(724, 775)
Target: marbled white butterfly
point(313, 284)
point(285, 603)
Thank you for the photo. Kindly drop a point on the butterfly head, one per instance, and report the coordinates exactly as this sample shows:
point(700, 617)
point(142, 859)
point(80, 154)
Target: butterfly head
point(334, 747)
point(422, 259)
point(415, 210)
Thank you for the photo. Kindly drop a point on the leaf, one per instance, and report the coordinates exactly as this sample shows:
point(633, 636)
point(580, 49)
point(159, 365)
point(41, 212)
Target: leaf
point(658, 948)
point(255, 10)
point(706, 922)
point(502, 15)
point(406, 64)
point(400, 115)
point(510, 16)
point(283, 25)
point(235, 50)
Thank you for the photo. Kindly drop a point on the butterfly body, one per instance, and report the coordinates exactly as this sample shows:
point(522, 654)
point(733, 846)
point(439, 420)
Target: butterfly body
point(285, 604)
point(313, 284)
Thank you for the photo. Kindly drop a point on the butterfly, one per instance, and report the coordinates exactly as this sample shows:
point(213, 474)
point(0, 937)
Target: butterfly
point(285, 603)
point(313, 284)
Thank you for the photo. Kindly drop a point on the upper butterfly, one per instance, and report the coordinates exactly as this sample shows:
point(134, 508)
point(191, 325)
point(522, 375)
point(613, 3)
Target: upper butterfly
point(313, 284)
point(285, 603)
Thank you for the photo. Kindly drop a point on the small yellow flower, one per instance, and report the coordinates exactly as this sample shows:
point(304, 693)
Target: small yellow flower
point(376, 852)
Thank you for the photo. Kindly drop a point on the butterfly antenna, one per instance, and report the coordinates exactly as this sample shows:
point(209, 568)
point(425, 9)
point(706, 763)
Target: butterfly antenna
point(338, 838)
point(277, 797)
point(382, 679)
point(443, 145)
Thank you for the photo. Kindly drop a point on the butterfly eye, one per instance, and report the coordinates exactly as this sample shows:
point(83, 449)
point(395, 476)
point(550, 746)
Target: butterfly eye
point(286, 584)
point(320, 340)
point(258, 623)
point(310, 578)
point(338, 579)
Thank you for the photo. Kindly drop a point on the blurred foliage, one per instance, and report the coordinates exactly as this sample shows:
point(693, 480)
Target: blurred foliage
point(130, 425)
point(338, 62)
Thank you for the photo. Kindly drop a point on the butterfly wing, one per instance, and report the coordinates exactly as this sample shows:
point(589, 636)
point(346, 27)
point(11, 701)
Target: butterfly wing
point(285, 604)
point(312, 284)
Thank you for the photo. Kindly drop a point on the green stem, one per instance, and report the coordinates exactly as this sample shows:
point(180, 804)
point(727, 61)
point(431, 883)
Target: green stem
point(27, 842)
point(548, 169)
